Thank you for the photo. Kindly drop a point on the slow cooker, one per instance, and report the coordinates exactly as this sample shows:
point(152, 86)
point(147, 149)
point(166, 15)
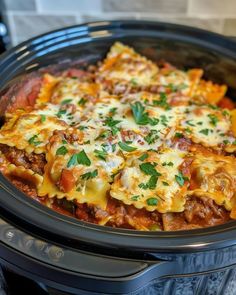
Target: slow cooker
point(66, 256)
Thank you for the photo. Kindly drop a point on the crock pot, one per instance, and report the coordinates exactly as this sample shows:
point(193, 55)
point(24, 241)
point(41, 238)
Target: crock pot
point(75, 257)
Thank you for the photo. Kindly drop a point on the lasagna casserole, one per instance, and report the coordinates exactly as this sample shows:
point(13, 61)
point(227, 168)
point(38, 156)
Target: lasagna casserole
point(127, 143)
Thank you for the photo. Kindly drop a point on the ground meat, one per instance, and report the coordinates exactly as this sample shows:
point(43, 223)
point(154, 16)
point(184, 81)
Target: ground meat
point(35, 162)
point(25, 187)
point(198, 213)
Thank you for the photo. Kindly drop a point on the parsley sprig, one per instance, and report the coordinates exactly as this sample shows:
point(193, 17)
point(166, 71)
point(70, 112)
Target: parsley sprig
point(79, 158)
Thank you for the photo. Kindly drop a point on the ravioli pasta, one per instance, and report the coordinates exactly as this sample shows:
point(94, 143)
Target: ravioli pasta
point(126, 143)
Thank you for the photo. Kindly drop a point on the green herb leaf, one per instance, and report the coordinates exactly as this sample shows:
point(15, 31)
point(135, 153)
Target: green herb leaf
point(82, 127)
point(213, 119)
point(162, 102)
point(82, 101)
point(188, 122)
point(83, 159)
point(171, 164)
point(64, 141)
point(66, 101)
point(112, 111)
point(101, 154)
point(89, 175)
point(43, 118)
point(60, 113)
point(143, 157)
point(126, 147)
point(204, 131)
point(165, 183)
point(111, 122)
point(72, 161)
point(152, 201)
point(80, 158)
point(135, 198)
point(104, 134)
point(134, 82)
point(180, 178)
point(151, 184)
point(34, 140)
point(140, 116)
point(152, 137)
point(164, 120)
point(179, 135)
point(149, 169)
point(61, 151)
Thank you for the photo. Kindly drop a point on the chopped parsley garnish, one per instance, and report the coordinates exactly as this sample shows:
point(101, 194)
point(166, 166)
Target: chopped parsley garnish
point(60, 113)
point(234, 142)
point(164, 120)
point(204, 131)
point(103, 134)
point(82, 101)
point(112, 111)
point(188, 130)
point(101, 154)
point(225, 113)
point(171, 164)
point(89, 175)
point(152, 201)
point(43, 118)
point(226, 141)
point(34, 140)
point(135, 198)
point(165, 183)
point(213, 119)
point(179, 135)
point(162, 102)
point(140, 116)
point(214, 107)
point(134, 82)
point(82, 127)
point(143, 157)
point(151, 184)
point(110, 122)
point(190, 123)
point(80, 158)
point(180, 178)
point(149, 169)
point(64, 141)
point(153, 121)
point(61, 151)
point(199, 123)
point(126, 147)
point(175, 88)
point(151, 137)
point(72, 161)
point(66, 101)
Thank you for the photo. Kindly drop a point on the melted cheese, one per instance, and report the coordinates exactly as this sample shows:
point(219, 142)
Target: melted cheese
point(215, 177)
point(28, 131)
point(124, 64)
point(129, 186)
point(115, 131)
point(207, 126)
point(91, 191)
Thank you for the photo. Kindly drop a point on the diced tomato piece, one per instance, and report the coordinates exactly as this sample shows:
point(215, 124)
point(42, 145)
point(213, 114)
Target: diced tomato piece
point(226, 103)
point(67, 181)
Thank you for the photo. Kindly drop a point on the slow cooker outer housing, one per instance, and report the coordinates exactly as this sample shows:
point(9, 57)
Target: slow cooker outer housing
point(147, 255)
